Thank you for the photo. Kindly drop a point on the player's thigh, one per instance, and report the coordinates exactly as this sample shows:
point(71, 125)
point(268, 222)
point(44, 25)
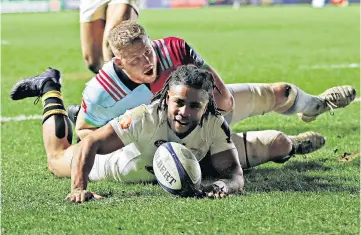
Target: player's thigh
point(91, 37)
point(120, 10)
point(242, 98)
point(92, 24)
point(251, 99)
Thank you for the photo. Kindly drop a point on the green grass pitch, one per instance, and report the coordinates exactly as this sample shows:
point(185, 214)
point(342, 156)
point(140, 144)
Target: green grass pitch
point(316, 194)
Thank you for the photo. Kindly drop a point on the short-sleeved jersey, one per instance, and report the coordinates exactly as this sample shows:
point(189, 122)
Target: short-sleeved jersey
point(106, 96)
point(146, 128)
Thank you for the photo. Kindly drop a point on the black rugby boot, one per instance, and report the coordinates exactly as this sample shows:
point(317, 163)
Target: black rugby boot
point(33, 86)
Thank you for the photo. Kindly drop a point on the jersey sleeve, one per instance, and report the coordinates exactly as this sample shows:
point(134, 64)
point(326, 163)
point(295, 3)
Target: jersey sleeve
point(95, 104)
point(221, 136)
point(133, 124)
point(94, 114)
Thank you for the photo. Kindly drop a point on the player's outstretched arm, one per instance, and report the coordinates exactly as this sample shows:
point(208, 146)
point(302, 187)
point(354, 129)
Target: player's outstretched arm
point(102, 141)
point(231, 179)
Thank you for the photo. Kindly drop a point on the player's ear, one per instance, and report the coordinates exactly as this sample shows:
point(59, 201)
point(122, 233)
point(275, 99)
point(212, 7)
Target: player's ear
point(118, 62)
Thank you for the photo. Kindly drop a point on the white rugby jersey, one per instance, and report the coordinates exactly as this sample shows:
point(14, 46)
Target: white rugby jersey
point(147, 128)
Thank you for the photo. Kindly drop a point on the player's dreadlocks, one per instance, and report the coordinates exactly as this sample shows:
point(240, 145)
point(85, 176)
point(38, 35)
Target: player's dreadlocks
point(194, 77)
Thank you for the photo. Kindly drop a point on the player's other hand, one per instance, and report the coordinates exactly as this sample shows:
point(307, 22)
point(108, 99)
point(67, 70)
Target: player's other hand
point(214, 191)
point(80, 196)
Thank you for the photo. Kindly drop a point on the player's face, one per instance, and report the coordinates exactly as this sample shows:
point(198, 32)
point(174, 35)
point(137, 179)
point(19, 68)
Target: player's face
point(140, 62)
point(186, 106)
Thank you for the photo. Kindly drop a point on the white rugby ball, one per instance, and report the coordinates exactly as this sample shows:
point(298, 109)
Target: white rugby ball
point(177, 169)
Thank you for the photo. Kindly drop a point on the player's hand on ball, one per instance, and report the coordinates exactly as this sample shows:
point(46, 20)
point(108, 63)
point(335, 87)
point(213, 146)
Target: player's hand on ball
point(80, 196)
point(215, 191)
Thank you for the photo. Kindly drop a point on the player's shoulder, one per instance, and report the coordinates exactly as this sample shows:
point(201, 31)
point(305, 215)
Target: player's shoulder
point(144, 111)
point(217, 127)
point(97, 90)
point(213, 121)
point(173, 38)
point(169, 41)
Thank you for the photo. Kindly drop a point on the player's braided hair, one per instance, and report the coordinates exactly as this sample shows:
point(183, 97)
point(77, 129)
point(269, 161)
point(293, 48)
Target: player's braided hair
point(124, 34)
point(194, 77)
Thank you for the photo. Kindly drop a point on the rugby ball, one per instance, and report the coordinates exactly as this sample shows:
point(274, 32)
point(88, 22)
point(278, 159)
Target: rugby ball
point(177, 169)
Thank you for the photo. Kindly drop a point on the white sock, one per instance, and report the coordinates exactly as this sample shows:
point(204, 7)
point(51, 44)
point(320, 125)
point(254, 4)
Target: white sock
point(304, 103)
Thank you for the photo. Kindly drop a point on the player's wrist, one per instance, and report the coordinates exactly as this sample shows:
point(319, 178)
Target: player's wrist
point(78, 183)
point(78, 188)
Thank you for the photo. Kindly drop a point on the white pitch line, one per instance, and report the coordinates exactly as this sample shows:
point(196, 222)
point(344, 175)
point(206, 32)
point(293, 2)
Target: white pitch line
point(39, 117)
point(331, 66)
point(21, 118)
point(4, 42)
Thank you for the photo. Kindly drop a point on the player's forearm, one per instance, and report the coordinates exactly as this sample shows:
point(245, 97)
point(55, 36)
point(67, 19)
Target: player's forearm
point(222, 96)
point(82, 127)
point(230, 172)
point(82, 164)
point(81, 133)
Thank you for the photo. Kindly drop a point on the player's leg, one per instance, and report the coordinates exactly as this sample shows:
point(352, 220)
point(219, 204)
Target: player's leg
point(92, 24)
point(57, 131)
point(91, 37)
point(117, 11)
point(258, 147)
point(250, 100)
point(285, 98)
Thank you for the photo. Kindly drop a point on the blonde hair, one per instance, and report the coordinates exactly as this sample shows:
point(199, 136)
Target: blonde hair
point(125, 34)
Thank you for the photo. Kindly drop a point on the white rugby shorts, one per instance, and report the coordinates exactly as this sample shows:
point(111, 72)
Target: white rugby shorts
point(91, 10)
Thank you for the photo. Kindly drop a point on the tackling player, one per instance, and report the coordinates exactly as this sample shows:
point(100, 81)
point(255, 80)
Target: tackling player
point(141, 66)
point(184, 111)
point(97, 18)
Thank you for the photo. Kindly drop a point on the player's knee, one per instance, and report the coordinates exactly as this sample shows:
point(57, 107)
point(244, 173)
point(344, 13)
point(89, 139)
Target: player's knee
point(281, 90)
point(58, 164)
point(52, 166)
point(94, 67)
point(92, 63)
point(258, 147)
point(285, 95)
point(281, 146)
